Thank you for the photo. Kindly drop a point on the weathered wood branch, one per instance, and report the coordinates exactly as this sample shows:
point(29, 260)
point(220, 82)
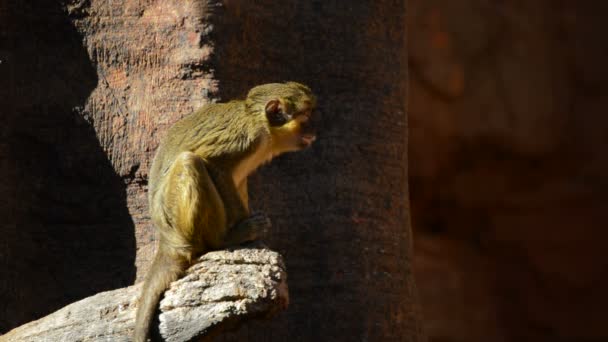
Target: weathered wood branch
point(222, 289)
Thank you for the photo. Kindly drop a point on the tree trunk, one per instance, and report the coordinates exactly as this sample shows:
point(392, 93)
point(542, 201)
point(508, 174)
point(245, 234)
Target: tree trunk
point(89, 104)
point(341, 209)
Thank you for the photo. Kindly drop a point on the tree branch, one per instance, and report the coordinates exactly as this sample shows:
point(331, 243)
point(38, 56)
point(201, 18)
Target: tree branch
point(222, 289)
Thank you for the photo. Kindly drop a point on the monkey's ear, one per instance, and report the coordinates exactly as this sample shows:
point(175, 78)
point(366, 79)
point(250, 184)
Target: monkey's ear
point(275, 114)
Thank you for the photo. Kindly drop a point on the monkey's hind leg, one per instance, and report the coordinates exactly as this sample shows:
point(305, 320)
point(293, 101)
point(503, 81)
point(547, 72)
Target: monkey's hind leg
point(192, 206)
point(199, 213)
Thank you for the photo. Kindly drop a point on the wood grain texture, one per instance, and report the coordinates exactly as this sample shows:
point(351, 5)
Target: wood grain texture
point(222, 289)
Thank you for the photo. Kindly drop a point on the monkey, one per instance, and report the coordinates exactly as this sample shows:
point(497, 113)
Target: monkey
point(198, 194)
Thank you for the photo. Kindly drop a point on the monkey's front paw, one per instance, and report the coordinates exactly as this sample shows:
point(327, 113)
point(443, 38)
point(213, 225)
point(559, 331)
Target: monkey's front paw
point(252, 228)
point(260, 223)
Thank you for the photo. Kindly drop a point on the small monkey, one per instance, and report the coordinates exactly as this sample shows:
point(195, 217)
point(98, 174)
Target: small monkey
point(198, 180)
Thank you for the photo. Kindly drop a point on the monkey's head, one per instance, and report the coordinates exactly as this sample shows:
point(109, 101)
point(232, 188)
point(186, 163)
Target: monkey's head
point(288, 109)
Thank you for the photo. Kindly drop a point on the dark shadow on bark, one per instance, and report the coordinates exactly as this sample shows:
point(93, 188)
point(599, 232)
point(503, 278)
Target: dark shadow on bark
point(66, 232)
point(330, 202)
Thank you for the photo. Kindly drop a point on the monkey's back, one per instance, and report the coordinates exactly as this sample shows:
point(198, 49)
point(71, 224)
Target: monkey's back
point(212, 131)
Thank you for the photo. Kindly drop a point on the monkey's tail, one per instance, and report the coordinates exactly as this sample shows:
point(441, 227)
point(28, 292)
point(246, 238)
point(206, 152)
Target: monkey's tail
point(164, 270)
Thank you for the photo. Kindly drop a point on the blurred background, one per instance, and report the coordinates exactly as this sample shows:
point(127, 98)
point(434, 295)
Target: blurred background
point(508, 164)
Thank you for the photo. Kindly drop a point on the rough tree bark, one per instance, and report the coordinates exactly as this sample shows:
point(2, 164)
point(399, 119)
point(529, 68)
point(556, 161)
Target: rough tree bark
point(108, 85)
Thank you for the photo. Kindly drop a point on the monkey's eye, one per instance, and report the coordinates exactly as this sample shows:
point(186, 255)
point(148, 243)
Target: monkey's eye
point(275, 113)
point(277, 118)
